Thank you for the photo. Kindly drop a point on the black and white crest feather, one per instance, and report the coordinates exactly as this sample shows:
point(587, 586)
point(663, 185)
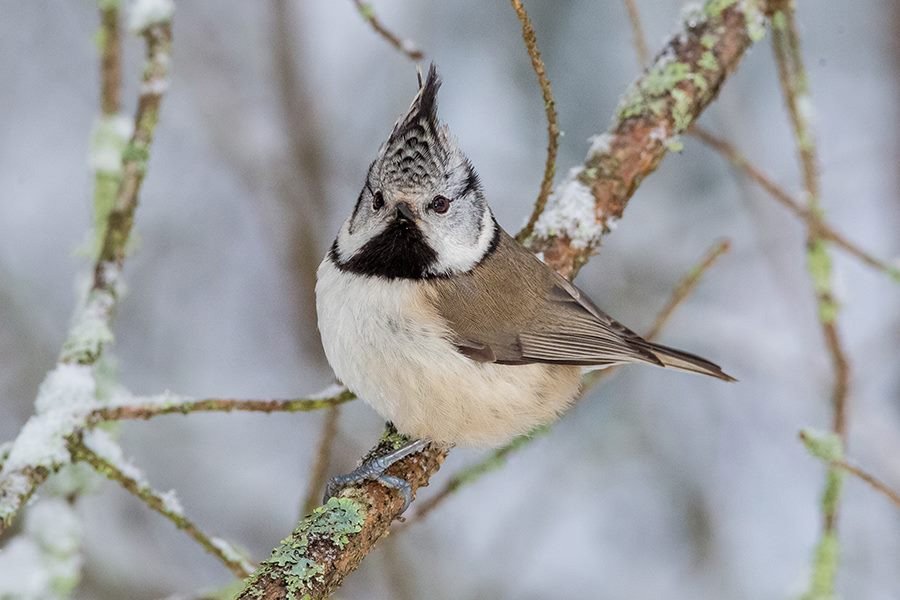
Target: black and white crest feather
point(394, 231)
point(417, 150)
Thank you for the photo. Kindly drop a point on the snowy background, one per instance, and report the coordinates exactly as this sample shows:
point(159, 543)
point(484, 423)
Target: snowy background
point(658, 485)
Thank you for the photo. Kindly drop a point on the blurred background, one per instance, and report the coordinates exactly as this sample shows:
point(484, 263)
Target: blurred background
point(658, 484)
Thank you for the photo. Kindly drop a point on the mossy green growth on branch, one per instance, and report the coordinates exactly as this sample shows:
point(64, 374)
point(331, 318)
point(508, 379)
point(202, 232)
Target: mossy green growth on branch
point(332, 523)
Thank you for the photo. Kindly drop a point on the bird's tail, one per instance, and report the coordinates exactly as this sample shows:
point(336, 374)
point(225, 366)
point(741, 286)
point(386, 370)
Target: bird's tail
point(684, 361)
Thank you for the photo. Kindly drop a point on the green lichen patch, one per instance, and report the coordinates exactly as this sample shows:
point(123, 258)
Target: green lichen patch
point(825, 445)
point(715, 8)
point(708, 61)
point(332, 523)
point(825, 565)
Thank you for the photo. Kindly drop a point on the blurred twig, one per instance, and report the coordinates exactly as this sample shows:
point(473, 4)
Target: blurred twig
point(794, 85)
point(167, 507)
point(110, 43)
point(301, 179)
point(90, 331)
point(734, 156)
point(829, 448)
point(497, 458)
point(540, 72)
point(637, 32)
point(687, 285)
point(318, 473)
point(168, 405)
point(406, 46)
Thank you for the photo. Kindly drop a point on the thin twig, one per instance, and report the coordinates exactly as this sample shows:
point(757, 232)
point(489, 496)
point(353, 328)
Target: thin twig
point(794, 85)
point(189, 405)
point(637, 32)
point(110, 60)
point(318, 474)
point(497, 458)
point(90, 332)
point(755, 174)
point(406, 46)
point(537, 64)
point(873, 481)
point(687, 285)
point(157, 502)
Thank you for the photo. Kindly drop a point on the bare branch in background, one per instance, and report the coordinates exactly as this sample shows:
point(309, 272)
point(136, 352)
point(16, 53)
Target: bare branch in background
point(406, 46)
point(828, 447)
point(71, 384)
point(497, 458)
point(734, 156)
point(794, 84)
point(540, 72)
point(334, 539)
point(301, 181)
point(637, 32)
point(165, 504)
point(110, 60)
point(318, 473)
point(168, 404)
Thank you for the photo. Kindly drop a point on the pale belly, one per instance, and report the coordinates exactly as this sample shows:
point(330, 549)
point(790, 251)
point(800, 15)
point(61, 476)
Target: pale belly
point(384, 342)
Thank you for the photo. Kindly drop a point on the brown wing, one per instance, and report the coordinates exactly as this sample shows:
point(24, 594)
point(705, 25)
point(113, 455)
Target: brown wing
point(514, 309)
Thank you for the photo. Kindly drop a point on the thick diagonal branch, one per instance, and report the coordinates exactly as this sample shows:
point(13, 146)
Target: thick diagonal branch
point(334, 539)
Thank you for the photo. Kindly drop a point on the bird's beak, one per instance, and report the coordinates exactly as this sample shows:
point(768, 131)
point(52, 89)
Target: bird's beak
point(404, 212)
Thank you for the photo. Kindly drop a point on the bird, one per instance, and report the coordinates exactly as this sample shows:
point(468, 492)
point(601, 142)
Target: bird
point(441, 321)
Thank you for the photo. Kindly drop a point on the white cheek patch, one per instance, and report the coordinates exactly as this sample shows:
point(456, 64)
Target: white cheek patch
point(349, 244)
point(455, 251)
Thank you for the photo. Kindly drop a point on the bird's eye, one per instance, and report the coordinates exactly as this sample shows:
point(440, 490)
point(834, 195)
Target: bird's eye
point(377, 201)
point(440, 205)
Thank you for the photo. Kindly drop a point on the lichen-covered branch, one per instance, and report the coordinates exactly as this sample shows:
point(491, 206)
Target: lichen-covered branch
point(497, 458)
point(333, 540)
point(540, 72)
point(662, 103)
point(105, 456)
point(39, 448)
point(794, 84)
point(168, 404)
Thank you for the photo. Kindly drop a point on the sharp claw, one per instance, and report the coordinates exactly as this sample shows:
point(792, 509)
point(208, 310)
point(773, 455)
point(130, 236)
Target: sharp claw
point(374, 470)
point(399, 484)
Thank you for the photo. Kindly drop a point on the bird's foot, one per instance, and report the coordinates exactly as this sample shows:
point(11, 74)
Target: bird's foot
point(374, 468)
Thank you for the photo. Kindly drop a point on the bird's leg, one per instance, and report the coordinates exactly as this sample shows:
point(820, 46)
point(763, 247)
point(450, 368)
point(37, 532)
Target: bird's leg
point(374, 467)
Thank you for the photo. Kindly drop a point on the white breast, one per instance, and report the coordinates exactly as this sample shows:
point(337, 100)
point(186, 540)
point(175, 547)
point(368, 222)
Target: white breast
point(386, 343)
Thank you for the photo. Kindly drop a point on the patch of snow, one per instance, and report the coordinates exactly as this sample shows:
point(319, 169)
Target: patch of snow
point(108, 141)
point(571, 212)
point(104, 446)
point(44, 562)
point(335, 389)
point(171, 503)
point(145, 13)
point(67, 386)
point(600, 144)
point(231, 553)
